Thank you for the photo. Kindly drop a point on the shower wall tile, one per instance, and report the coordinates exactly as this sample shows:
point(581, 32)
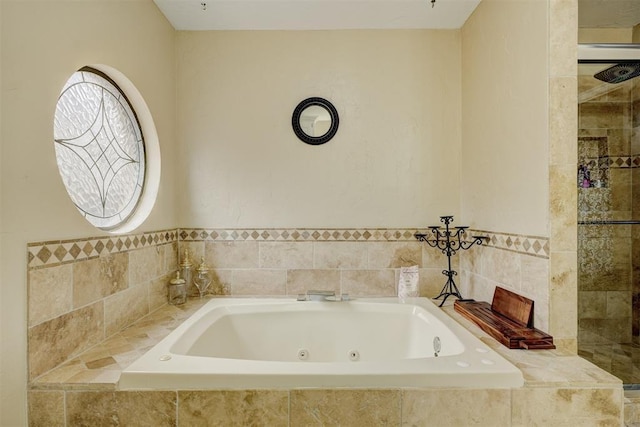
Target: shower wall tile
point(604, 115)
point(378, 283)
point(121, 408)
point(97, 278)
point(592, 304)
point(620, 185)
point(618, 304)
point(345, 407)
point(50, 293)
point(233, 408)
point(54, 341)
point(619, 142)
point(473, 407)
point(340, 255)
point(46, 409)
point(394, 254)
point(231, 254)
point(301, 281)
point(286, 255)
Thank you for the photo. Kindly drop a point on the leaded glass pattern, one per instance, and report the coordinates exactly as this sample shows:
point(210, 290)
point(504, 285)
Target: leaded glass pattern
point(99, 148)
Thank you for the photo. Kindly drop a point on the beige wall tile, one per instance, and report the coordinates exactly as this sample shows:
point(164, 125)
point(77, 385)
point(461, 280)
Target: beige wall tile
point(50, 293)
point(286, 254)
point(301, 281)
point(220, 282)
point(46, 408)
point(434, 258)
point(535, 285)
point(121, 408)
point(259, 282)
point(232, 254)
point(476, 287)
point(563, 37)
point(563, 134)
point(563, 297)
point(501, 266)
point(345, 407)
point(145, 265)
point(237, 408)
point(340, 255)
point(471, 408)
point(567, 407)
point(394, 254)
point(157, 291)
point(431, 281)
point(124, 308)
point(368, 282)
point(196, 251)
point(54, 341)
point(563, 204)
point(170, 257)
point(99, 277)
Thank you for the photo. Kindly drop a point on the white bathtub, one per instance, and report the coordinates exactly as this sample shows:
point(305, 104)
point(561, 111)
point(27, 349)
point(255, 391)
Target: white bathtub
point(283, 343)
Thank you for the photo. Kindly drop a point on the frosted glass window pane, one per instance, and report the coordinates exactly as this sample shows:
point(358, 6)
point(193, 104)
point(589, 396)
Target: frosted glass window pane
point(99, 148)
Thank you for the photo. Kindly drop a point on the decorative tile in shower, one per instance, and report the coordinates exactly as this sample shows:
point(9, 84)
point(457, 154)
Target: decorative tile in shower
point(63, 251)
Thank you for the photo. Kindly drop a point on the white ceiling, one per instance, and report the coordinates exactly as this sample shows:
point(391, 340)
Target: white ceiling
point(361, 14)
point(315, 14)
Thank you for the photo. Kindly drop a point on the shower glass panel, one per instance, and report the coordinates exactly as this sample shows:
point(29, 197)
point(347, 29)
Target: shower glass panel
point(608, 181)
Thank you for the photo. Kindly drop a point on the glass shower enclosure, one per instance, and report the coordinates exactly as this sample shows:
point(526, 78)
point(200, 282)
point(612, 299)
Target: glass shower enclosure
point(608, 181)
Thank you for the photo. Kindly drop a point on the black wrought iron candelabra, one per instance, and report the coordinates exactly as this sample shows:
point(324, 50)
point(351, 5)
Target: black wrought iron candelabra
point(449, 242)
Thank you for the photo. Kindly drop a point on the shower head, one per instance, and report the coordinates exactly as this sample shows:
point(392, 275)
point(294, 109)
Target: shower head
point(619, 73)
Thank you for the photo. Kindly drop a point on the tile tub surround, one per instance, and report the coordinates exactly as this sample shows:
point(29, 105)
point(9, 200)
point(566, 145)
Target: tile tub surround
point(83, 291)
point(566, 386)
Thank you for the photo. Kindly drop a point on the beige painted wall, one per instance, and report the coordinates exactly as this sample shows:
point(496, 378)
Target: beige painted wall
point(43, 42)
point(393, 163)
point(505, 129)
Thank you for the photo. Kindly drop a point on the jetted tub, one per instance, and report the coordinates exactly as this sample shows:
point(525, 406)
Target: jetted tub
point(283, 343)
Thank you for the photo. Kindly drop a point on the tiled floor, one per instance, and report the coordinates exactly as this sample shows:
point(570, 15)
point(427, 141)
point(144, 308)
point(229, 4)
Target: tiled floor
point(621, 360)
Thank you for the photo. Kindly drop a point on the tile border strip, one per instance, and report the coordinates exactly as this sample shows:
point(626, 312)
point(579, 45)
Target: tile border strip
point(51, 253)
point(56, 252)
point(528, 245)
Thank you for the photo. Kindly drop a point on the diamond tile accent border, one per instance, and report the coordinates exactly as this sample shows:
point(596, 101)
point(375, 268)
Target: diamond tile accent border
point(52, 253)
point(56, 252)
point(529, 245)
point(298, 234)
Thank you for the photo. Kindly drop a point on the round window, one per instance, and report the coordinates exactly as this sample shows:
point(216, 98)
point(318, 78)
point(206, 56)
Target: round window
point(100, 149)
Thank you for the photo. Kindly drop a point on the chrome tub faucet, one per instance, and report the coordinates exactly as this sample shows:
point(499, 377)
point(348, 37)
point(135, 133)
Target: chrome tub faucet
point(315, 295)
